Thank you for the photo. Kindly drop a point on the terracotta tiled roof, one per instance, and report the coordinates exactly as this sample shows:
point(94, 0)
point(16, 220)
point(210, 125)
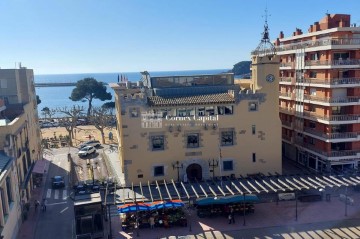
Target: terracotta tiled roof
point(191, 100)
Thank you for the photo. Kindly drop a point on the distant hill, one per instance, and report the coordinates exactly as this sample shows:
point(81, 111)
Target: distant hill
point(242, 68)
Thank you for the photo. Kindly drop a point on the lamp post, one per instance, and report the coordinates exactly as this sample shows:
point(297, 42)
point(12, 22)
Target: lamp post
point(214, 164)
point(244, 209)
point(346, 201)
point(296, 206)
point(177, 165)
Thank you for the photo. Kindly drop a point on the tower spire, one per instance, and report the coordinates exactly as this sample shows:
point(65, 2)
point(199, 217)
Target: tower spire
point(265, 47)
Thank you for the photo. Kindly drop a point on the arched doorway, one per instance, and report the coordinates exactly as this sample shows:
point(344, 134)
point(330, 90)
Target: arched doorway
point(194, 171)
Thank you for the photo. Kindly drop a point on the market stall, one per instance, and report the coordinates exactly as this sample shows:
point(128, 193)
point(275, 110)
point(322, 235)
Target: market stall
point(162, 213)
point(209, 207)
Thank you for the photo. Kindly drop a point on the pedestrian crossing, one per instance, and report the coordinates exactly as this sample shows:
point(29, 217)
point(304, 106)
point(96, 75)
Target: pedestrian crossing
point(57, 194)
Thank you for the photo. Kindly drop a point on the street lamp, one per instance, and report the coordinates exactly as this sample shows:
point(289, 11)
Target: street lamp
point(177, 165)
point(296, 206)
point(214, 164)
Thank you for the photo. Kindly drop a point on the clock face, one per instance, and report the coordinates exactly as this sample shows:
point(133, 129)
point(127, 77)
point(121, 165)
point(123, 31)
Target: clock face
point(270, 78)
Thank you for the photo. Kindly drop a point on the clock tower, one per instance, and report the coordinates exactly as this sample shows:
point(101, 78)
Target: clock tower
point(265, 70)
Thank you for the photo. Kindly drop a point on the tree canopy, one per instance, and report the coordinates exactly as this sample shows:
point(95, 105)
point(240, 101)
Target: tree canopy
point(38, 101)
point(89, 89)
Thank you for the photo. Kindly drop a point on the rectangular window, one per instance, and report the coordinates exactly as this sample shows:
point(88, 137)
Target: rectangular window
point(225, 110)
point(228, 165)
point(253, 129)
point(140, 175)
point(209, 110)
point(158, 171)
point(192, 141)
point(253, 106)
point(254, 157)
point(311, 141)
point(134, 112)
point(157, 142)
point(3, 84)
point(201, 111)
point(8, 189)
point(312, 125)
point(312, 91)
point(341, 56)
point(227, 138)
point(312, 74)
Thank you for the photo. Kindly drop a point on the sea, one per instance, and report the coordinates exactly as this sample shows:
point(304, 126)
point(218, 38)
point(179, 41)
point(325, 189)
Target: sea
point(58, 97)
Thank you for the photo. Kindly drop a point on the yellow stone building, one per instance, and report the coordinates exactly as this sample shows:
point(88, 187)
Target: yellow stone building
point(195, 127)
point(19, 145)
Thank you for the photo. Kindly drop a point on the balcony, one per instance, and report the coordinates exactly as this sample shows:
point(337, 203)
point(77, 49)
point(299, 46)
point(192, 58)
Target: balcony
point(286, 95)
point(333, 101)
point(334, 137)
point(332, 119)
point(328, 154)
point(287, 80)
point(335, 43)
point(327, 64)
point(287, 110)
point(332, 83)
point(287, 65)
point(288, 139)
point(287, 124)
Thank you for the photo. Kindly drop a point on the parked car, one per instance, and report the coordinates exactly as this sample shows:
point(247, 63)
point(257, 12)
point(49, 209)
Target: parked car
point(82, 122)
point(58, 182)
point(86, 151)
point(94, 143)
point(46, 124)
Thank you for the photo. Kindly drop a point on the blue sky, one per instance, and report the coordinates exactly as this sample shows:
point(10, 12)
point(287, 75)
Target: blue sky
point(81, 36)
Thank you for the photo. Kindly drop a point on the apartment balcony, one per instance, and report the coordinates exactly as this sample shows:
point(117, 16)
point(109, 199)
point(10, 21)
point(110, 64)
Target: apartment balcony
point(332, 64)
point(287, 110)
point(286, 95)
point(332, 119)
point(333, 101)
point(330, 83)
point(287, 81)
point(288, 139)
point(287, 124)
point(321, 44)
point(333, 137)
point(287, 65)
point(330, 155)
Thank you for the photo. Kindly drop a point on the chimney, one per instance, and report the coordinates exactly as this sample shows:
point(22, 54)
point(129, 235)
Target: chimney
point(281, 35)
point(277, 42)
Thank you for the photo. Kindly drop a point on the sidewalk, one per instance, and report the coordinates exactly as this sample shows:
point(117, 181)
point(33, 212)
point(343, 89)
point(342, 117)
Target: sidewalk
point(28, 227)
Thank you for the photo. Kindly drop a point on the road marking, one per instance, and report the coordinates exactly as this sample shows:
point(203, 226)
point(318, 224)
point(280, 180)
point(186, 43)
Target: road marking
point(56, 196)
point(64, 195)
point(64, 209)
point(48, 193)
point(57, 203)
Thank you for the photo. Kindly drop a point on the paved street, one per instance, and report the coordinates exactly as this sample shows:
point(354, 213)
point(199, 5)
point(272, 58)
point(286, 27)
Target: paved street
point(58, 219)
